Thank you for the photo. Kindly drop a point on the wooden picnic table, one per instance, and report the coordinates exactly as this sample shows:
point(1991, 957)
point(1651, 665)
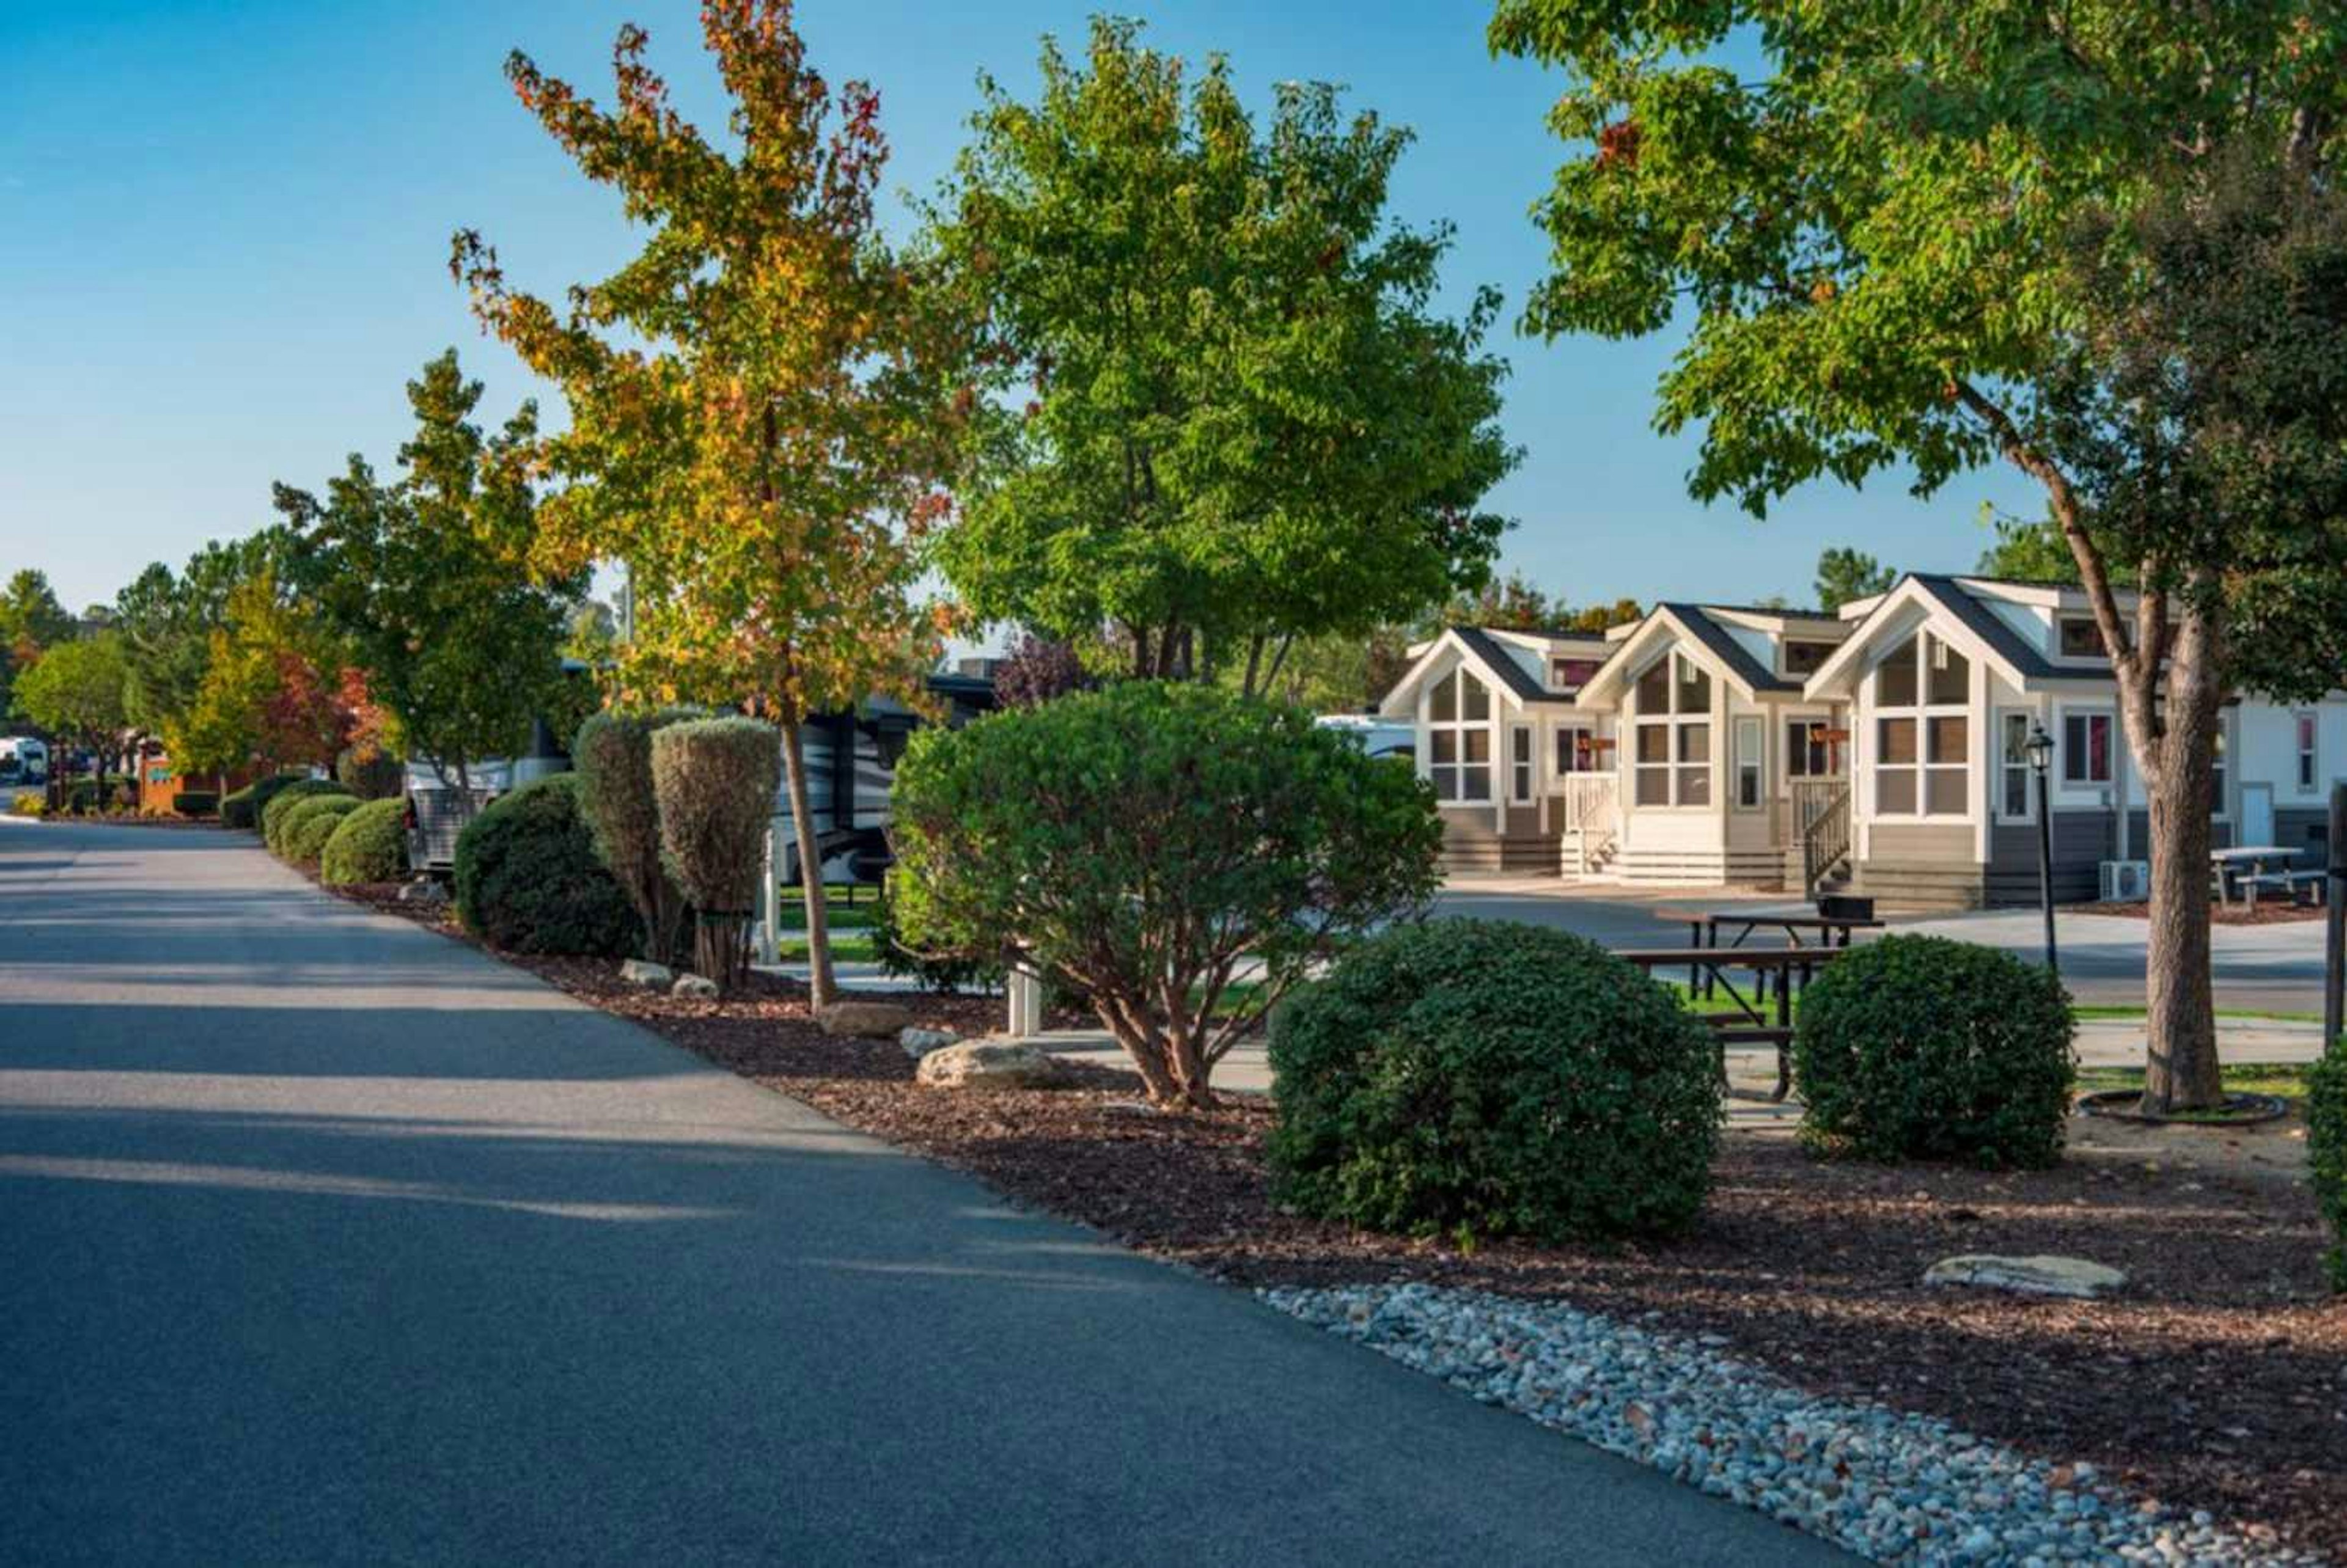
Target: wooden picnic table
point(2228, 868)
point(1753, 1023)
point(1704, 925)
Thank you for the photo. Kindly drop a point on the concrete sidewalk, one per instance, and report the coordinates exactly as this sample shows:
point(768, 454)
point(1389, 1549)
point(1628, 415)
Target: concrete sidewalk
point(331, 1240)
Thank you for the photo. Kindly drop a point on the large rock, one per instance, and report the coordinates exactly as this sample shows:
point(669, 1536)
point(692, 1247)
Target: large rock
point(694, 988)
point(918, 1042)
point(644, 972)
point(2043, 1275)
point(988, 1064)
point(865, 1020)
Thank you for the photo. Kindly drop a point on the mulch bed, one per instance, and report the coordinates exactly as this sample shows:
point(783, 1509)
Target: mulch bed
point(2216, 1379)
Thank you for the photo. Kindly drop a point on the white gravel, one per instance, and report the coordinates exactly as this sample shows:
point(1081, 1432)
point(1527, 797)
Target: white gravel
point(1891, 1486)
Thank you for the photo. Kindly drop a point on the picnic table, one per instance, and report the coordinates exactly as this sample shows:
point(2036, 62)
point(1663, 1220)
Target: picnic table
point(1753, 1023)
point(1704, 926)
point(2243, 866)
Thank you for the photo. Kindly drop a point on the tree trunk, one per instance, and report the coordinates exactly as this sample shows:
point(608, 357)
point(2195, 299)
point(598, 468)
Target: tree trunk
point(2182, 1069)
point(821, 987)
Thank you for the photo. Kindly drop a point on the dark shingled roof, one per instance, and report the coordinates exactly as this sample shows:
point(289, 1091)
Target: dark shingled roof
point(1993, 628)
point(1729, 652)
point(1494, 656)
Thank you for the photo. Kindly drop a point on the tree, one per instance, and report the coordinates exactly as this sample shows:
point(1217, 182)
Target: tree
point(1844, 574)
point(168, 622)
point(275, 690)
point(1035, 670)
point(1144, 843)
point(426, 580)
point(74, 692)
point(1213, 408)
point(757, 422)
point(1875, 241)
point(31, 620)
point(2028, 552)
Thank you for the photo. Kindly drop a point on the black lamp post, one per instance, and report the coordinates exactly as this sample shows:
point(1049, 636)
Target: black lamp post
point(2040, 747)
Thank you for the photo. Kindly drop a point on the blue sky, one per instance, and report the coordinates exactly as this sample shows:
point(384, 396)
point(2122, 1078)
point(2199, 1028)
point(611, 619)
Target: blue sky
point(224, 232)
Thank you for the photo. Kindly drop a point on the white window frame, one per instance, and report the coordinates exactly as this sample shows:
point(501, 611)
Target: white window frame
point(1837, 752)
point(1748, 763)
point(1921, 646)
point(1564, 753)
point(2109, 720)
point(2306, 750)
point(1677, 727)
point(1524, 766)
point(2221, 809)
point(1462, 730)
point(2006, 765)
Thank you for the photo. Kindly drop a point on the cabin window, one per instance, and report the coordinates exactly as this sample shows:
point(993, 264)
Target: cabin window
point(1923, 695)
point(2218, 775)
point(1576, 750)
point(1572, 674)
point(2013, 767)
point(1805, 658)
point(2086, 748)
point(1459, 739)
point(1672, 756)
point(2081, 638)
point(1520, 763)
point(1750, 773)
point(2309, 752)
point(1809, 755)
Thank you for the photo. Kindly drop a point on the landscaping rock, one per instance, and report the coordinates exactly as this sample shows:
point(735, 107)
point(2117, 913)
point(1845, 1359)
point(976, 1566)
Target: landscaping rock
point(644, 972)
point(424, 890)
point(865, 1020)
point(694, 988)
point(918, 1042)
point(2044, 1275)
point(987, 1064)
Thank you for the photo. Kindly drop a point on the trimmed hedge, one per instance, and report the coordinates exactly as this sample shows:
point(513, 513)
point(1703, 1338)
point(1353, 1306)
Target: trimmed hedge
point(1923, 1048)
point(196, 802)
point(1484, 1079)
point(613, 757)
point(289, 809)
point(310, 825)
point(2326, 1149)
point(528, 880)
point(242, 807)
point(369, 844)
point(288, 795)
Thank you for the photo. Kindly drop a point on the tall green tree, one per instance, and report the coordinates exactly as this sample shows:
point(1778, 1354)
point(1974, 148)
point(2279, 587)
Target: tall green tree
point(2026, 551)
point(1844, 574)
point(757, 430)
point(427, 581)
point(74, 692)
point(31, 620)
point(1216, 411)
point(1869, 238)
point(167, 619)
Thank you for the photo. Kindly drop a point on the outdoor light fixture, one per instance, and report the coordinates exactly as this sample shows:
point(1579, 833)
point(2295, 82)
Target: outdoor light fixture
point(2039, 748)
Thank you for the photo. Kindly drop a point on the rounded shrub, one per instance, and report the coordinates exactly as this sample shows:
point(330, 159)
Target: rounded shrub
point(1487, 1079)
point(527, 878)
point(289, 809)
point(1923, 1048)
point(369, 844)
point(243, 808)
point(307, 830)
point(288, 795)
point(2326, 1149)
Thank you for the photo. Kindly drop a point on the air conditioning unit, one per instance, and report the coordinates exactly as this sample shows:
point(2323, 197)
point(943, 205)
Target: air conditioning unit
point(2127, 881)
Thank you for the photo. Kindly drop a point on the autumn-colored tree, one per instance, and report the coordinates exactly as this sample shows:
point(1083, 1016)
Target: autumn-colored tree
point(754, 431)
point(276, 690)
point(1872, 236)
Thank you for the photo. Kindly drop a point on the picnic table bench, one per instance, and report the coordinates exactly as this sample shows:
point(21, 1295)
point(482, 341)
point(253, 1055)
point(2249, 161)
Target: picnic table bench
point(2289, 882)
point(1704, 925)
point(1755, 1021)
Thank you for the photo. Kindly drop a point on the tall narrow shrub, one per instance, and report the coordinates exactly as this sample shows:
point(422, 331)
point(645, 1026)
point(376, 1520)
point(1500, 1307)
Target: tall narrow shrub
point(614, 756)
point(713, 780)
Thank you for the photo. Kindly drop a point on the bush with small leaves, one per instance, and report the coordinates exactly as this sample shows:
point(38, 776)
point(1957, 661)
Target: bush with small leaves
point(614, 756)
point(293, 813)
point(714, 782)
point(195, 802)
point(292, 794)
point(307, 830)
point(2326, 1149)
point(1478, 1078)
point(1924, 1047)
point(527, 878)
point(370, 845)
point(242, 807)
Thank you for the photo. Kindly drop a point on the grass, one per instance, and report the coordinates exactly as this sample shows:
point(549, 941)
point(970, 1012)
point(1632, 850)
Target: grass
point(2284, 1079)
point(2130, 1012)
point(846, 947)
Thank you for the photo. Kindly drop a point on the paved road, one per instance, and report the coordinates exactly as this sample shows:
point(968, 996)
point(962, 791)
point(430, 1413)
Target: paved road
point(327, 1240)
point(2270, 968)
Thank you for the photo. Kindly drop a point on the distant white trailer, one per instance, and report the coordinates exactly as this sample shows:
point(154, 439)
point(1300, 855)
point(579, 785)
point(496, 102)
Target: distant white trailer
point(1377, 737)
point(24, 760)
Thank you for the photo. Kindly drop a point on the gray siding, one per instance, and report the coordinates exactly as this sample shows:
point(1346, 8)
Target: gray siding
point(2307, 829)
point(2083, 840)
